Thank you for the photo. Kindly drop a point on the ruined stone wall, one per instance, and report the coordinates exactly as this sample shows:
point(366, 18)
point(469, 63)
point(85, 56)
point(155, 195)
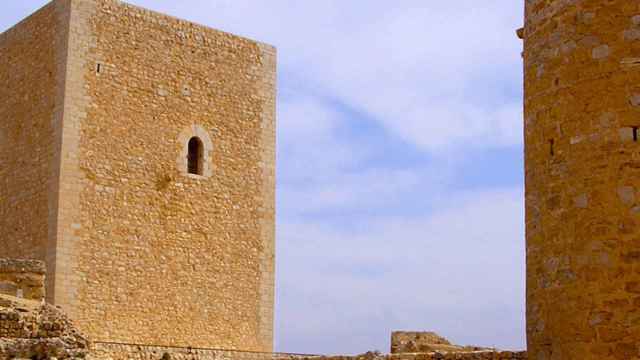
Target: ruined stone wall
point(425, 341)
point(415, 341)
point(582, 113)
point(404, 342)
point(106, 351)
point(111, 351)
point(34, 330)
point(148, 253)
point(22, 278)
point(472, 355)
point(32, 57)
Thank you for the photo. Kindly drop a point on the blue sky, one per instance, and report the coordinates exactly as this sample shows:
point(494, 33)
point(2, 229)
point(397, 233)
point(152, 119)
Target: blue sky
point(400, 182)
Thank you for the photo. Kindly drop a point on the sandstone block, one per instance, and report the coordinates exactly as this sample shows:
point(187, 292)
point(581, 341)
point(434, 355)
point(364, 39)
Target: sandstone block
point(600, 52)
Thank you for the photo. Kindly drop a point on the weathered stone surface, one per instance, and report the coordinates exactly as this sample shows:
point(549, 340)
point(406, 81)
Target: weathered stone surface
point(423, 342)
point(34, 330)
point(105, 98)
point(627, 134)
point(17, 266)
point(110, 351)
point(600, 52)
point(581, 201)
point(467, 355)
point(582, 222)
point(31, 70)
point(103, 351)
point(22, 278)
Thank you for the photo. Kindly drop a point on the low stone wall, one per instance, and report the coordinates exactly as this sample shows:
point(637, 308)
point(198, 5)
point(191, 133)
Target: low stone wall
point(112, 351)
point(31, 329)
point(22, 278)
point(473, 355)
point(426, 342)
point(416, 341)
point(421, 345)
point(115, 351)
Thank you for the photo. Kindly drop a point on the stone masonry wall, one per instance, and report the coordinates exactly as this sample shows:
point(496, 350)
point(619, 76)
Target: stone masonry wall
point(32, 56)
point(111, 351)
point(107, 351)
point(582, 115)
point(34, 330)
point(425, 341)
point(22, 278)
point(472, 355)
point(134, 228)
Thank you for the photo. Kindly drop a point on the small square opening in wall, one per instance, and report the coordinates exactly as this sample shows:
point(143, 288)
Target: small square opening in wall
point(629, 134)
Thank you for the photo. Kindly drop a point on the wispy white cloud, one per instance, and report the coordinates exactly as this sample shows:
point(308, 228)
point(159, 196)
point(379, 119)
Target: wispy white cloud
point(457, 269)
point(367, 245)
point(345, 284)
point(374, 237)
point(423, 70)
point(322, 168)
point(308, 131)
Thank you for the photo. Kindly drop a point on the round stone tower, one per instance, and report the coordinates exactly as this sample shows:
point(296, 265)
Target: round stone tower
point(582, 114)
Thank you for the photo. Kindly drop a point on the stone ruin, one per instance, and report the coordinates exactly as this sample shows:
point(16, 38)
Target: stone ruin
point(408, 345)
point(30, 328)
point(581, 129)
point(22, 278)
point(33, 329)
point(425, 342)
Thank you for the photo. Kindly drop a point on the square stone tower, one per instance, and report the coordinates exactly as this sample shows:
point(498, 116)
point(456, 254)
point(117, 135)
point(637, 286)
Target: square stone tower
point(137, 157)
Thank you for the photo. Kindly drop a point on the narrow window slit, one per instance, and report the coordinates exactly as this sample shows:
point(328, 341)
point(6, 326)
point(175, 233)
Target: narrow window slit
point(551, 147)
point(195, 156)
point(635, 133)
point(98, 68)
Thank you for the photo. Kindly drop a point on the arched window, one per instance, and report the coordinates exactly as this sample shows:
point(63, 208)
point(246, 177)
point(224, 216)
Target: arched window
point(196, 151)
point(195, 156)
